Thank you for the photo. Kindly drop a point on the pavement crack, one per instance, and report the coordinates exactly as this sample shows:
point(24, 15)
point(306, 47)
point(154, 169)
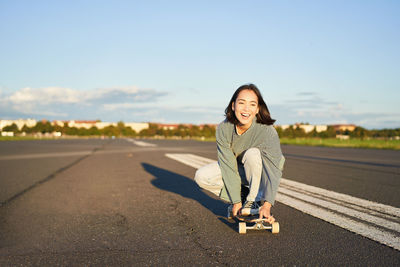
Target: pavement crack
point(48, 178)
point(192, 233)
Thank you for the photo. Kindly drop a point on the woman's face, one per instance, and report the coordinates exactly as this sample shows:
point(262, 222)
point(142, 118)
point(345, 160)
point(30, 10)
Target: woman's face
point(245, 107)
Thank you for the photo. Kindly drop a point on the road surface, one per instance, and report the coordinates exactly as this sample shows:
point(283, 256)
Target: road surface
point(134, 202)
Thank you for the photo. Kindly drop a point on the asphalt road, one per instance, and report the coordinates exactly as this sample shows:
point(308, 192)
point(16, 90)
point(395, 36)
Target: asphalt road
point(113, 202)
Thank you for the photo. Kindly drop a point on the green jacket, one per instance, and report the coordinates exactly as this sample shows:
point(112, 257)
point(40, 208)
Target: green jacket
point(230, 146)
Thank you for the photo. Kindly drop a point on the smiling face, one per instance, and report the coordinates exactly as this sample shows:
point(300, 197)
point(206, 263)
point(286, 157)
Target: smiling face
point(245, 108)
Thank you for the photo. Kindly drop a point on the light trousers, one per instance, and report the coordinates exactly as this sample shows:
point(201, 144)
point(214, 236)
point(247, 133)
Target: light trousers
point(209, 177)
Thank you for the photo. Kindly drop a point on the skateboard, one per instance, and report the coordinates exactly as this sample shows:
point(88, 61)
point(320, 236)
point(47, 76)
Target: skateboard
point(255, 223)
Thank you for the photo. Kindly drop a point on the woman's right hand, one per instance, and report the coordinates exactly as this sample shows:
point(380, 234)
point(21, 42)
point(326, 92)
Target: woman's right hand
point(236, 208)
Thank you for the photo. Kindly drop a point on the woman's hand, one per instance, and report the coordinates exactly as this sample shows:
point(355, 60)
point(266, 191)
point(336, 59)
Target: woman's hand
point(236, 208)
point(265, 212)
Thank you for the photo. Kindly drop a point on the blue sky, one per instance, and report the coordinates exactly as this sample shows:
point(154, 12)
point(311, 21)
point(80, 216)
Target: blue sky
point(321, 62)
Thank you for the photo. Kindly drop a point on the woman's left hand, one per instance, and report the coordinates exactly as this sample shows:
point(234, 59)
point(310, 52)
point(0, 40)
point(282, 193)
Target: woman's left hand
point(265, 212)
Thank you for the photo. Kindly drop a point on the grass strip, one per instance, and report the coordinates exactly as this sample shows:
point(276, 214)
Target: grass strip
point(328, 142)
point(353, 143)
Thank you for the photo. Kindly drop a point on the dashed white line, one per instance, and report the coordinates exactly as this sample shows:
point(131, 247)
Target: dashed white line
point(141, 143)
point(45, 155)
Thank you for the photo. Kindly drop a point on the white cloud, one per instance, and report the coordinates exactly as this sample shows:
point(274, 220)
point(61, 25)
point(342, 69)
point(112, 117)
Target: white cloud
point(122, 94)
point(113, 107)
point(311, 107)
point(167, 113)
point(54, 102)
point(144, 105)
point(47, 95)
point(54, 95)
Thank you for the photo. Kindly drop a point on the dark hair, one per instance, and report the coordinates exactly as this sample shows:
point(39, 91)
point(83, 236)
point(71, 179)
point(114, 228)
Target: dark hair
point(263, 116)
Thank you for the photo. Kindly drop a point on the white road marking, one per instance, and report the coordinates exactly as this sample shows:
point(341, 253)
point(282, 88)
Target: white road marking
point(140, 143)
point(370, 219)
point(190, 159)
point(45, 155)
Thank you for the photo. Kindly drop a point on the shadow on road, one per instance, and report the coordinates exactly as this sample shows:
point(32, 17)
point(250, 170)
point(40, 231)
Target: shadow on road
point(184, 186)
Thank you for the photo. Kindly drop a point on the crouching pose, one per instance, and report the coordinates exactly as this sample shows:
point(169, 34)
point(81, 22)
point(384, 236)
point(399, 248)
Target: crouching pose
point(250, 159)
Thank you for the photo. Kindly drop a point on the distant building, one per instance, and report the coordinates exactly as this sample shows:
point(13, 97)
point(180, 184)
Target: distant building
point(59, 123)
point(9, 134)
point(87, 124)
point(20, 123)
point(166, 126)
point(201, 126)
point(321, 128)
point(82, 124)
point(342, 137)
point(102, 125)
point(137, 126)
point(306, 127)
point(344, 127)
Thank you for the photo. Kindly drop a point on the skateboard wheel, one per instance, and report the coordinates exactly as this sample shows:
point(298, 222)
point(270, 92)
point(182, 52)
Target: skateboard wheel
point(275, 228)
point(242, 228)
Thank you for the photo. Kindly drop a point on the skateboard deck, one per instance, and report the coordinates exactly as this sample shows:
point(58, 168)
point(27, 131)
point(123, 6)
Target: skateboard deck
point(255, 223)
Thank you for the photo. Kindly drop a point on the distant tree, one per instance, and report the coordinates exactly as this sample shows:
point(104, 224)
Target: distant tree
point(313, 133)
point(359, 132)
point(58, 128)
point(289, 132)
point(144, 132)
point(279, 131)
point(194, 131)
point(43, 127)
point(208, 131)
point(65, 129)
point(160, 131)
point(71, 130)
point(81, 131)
point(329, 133)
point(94, 131)
point(111, 131)
point(299, 132)
point(26, 129)
point(168, 133)
point(11, 128)
point(120, 126)
point(182, 130)
point(128, 131)
point(151, 131)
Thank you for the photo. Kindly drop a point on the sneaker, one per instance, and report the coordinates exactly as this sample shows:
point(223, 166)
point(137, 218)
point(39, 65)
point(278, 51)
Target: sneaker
point(250, 208)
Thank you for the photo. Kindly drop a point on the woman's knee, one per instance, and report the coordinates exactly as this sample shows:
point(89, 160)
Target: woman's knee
point(199, 176)
point(252, 154)
point(208, 175)
point(202, 175)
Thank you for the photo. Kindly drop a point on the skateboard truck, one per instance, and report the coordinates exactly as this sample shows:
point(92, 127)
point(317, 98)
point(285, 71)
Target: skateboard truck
point(256, 224)
point(253, 223)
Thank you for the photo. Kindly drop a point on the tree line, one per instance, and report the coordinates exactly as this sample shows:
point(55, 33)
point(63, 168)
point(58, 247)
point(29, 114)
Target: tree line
point(331, 132)
point(186, 131)
point(120, 130)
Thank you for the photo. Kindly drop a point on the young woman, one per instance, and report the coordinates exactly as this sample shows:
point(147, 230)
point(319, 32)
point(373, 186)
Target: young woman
point(249, 156)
